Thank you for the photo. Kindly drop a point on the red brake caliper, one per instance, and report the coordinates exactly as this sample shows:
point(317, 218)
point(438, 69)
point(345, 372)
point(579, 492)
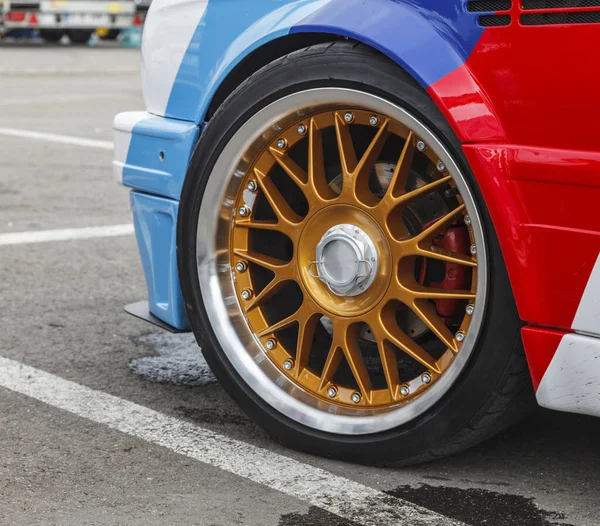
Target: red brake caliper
point(455, 239)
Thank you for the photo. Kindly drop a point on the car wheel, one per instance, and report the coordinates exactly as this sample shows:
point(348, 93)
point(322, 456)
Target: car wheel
point(79, 36)
point(339, 267)
point(51, 35)
point(109, 34)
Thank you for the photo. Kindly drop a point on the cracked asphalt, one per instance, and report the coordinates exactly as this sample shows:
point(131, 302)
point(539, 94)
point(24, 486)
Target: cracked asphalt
point(62, 312)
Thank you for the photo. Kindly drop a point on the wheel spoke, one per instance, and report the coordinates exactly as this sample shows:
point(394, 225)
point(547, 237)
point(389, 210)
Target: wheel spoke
point(368, 160)
point(442, 222)
point(420, 192)
point(346, 151)
point(332, 363)
point(278, 203)
point(420, 292)
point(297, 174)
point(399, 179)
point(345, 345)
point(258, 225)
point(427, 313)
point(356, 361)
point(307, 326)
point(268, 262)
point(387, 355)
point(397, 337)
point(316, 163)
point(283, 324)
point(272, 288)
point(448, 256)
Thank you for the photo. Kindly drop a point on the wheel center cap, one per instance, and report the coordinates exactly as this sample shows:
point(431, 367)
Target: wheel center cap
point(347, 260)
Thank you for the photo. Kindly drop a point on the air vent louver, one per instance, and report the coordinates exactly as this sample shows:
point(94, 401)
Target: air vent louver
point(546, 19)
point(558, 4)
point(488, 6)
point(494, 20)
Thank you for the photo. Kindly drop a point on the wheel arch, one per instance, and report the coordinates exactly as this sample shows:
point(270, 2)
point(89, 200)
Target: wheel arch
point(431, 42)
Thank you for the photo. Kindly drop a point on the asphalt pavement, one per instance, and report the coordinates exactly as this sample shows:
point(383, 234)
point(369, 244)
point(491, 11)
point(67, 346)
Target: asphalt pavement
point(88, 391)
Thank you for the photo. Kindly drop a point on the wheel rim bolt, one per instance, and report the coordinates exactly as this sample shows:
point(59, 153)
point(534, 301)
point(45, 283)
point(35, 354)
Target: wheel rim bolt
point(281, 144)
point(332, 392)
point(460, 336)
point(374, 120)
point(405, 390)
point(252, 186)
point(246, 294)
point(470, 310)
point(288, 365)
point(421, 146)
point(271, 344)
point(426, 378)
point(301, 129)
point(241, 266)
point(441, 166)
point(244, 211)
point(356, 397)
point(473, 249)
point(467, 220)
point(349, 117)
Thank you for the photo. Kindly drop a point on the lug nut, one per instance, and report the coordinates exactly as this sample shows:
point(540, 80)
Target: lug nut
point(473, 249)
point(244, 211)
point(271, 344)
point(252, 186)
point(460, 336)
point(349, 117)
point(288, 365)
point(241, 266)
point(421, 146)
point(470, 310)
point(374, 120)
point(441, 166)
point(301, 129)
point(246, 294)
point(332, 392)
point(467, 220)
point(426, 378)
point(405, 390)
point(356, 397)
point(281, 144)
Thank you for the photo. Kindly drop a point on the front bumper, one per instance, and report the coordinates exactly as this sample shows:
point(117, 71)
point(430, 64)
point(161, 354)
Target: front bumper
point(151, 157)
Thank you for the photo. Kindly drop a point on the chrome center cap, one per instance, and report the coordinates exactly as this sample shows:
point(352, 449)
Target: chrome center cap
point(347, 260)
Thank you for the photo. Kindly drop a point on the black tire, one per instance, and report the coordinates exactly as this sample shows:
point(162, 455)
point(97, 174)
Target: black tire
point(51, 35)
point(112, 34)
point(79, 36)
point(493, 390)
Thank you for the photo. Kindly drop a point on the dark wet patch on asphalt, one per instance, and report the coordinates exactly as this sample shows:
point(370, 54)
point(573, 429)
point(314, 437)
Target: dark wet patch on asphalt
point(177, 360)
point(314, 517)
point(212, 416)
point(479, 506)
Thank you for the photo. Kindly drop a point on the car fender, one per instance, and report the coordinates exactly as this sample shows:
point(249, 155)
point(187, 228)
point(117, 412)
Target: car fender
point(430, 39)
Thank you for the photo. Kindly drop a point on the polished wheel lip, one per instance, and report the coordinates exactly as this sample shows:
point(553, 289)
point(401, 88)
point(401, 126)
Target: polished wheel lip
point(239, 344)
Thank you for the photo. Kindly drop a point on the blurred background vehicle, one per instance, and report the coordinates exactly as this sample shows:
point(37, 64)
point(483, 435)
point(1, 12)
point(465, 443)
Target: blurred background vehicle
point(78, 19)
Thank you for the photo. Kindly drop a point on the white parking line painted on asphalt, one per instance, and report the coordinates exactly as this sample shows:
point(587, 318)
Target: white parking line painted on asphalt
point(53, 137)
point(68, 234)
point(16, 71)
point(343, 497)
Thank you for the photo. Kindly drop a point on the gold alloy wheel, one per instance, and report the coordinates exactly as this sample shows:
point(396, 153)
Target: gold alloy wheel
point(360, 327)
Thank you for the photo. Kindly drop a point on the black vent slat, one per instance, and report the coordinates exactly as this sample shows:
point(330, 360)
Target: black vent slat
point(494, 20)
point(558, 4)
point(547, 19)
point(24, 6)
point(488, 6)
